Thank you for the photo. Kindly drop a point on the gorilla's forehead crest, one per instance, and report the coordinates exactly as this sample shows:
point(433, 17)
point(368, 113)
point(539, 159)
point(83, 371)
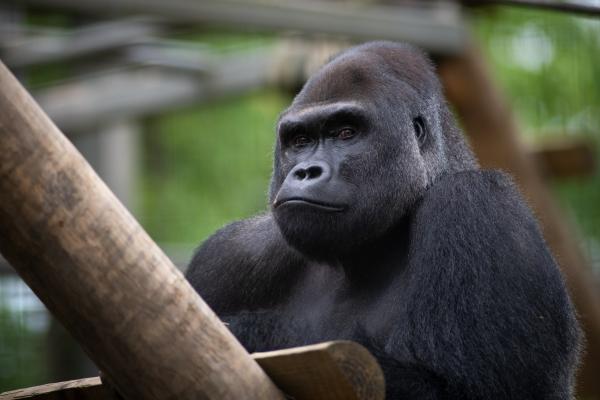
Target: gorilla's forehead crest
point(369, 67)
point(320, 108)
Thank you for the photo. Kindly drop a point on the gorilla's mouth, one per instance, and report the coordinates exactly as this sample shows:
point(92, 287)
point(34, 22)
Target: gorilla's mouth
point(309, 202)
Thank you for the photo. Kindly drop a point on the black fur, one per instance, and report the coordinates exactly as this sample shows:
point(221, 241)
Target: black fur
point(388, 234)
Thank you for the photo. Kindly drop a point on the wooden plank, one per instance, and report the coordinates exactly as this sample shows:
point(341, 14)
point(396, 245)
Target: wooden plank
point(586, 8)
point(102, 276)
point(436, 26)
point(78, 43)
point(495, 138)
point(83, 104)
point(325, 371)
point(78, 389)
point(338, 370)
point(566, 158)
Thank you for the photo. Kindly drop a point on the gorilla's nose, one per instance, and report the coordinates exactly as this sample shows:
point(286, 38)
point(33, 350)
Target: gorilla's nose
point(311, 171)
point(312, 184)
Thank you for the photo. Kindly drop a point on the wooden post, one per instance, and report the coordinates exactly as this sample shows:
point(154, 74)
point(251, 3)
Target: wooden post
point(495, 138)
point(102, 276)
point(338, 370)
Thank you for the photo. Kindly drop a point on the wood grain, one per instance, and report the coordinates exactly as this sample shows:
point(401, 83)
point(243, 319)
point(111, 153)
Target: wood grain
point(326, 371)
point(337, 370)
point(566, 158)
point(102, 276)
point(79, 389)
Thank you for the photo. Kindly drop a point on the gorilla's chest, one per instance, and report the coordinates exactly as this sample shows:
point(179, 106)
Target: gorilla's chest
point(272, 329)
point(320, 308)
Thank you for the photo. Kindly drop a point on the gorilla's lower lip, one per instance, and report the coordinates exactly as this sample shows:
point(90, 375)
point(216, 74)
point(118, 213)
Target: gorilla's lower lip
point(311, 203)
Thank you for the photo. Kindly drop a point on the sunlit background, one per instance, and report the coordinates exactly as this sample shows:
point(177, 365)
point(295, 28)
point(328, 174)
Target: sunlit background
point(178, 118)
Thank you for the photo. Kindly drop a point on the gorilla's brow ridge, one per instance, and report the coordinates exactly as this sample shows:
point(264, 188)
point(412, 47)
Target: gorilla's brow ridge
point(320, 110)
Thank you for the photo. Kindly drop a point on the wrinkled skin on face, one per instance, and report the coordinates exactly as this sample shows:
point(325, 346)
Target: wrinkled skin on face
point(358, 147)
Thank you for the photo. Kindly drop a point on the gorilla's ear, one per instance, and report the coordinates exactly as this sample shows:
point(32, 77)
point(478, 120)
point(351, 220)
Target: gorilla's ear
point(421, 131)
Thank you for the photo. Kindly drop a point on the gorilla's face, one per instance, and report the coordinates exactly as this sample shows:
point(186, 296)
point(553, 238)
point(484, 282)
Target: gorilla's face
point(352, 152)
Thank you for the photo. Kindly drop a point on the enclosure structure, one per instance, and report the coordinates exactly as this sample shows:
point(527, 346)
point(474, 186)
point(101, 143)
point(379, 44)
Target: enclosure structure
point(488, 121)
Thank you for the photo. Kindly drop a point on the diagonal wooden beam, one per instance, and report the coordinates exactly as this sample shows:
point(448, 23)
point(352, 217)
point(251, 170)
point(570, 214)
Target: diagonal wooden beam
point(102, 276)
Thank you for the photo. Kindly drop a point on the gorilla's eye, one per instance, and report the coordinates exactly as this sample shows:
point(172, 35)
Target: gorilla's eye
point(346, 133)
point(420, 130)
point(301, 140)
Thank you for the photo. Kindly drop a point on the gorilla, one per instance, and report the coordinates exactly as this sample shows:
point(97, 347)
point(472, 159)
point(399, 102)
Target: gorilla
point(383, 230)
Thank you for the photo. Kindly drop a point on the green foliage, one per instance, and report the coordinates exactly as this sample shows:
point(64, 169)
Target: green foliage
point(548, 64)
point(581, 197)
point(22, 359)
point(208, 166)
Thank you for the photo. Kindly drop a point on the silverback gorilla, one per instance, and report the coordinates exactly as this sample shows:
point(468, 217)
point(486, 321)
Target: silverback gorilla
point(383, 230)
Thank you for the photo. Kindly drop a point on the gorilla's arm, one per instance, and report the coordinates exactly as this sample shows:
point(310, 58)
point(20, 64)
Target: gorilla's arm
point(245, 266)
point(486, 306)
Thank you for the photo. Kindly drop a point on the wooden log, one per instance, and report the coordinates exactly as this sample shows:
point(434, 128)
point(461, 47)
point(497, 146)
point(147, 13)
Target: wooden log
point(435, 26)
point(325, 371)
point(78, 389)
point(566, 158)
point(88, 41)
point(585, 8)
point(102, 276)
point(495, 138)
point(328, 371)
point(83, 104)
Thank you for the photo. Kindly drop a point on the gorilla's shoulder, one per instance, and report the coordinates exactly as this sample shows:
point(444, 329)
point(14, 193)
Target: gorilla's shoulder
point(230, 268)
point(476, 196)
point(243, 238)
point(472, 185)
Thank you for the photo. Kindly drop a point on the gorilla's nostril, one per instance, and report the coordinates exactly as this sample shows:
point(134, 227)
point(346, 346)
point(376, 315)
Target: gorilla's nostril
point(307, 171)
point(300, 173)
point(314, 172)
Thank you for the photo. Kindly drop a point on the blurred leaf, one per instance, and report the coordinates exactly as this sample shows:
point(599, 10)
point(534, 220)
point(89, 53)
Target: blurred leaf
point(208, 166)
